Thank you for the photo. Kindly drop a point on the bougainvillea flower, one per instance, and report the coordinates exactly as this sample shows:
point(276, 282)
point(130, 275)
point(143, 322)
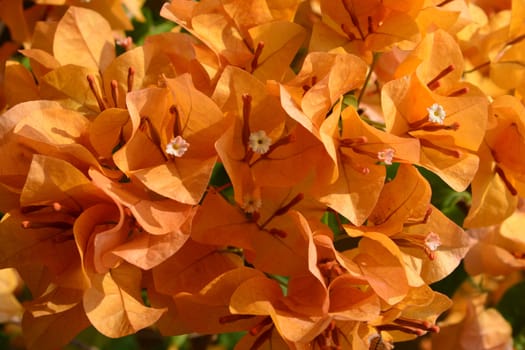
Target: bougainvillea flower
point(169, 54)
point(69, 41)
point(504, 137)
point(494, 48)
point(34, 235)
point(114, 305)
point(500, 178)
point(64, 72)
point(493, 197)
point(263, 296)
point(470, 324)
point(202, 304)
point(14, 156)
point(57, 132)
point(413, 316)
point(500, 249)
point(452, 16)
point(100, 79)
point(429, 103)
point(38, 240)
point(263, 42)
point(405, 199)
point(358, 271)
point(265, 242)
point(158, 117)
point(349, 320)
point(323, 79)
point(162, 224)
point(374, 254)
point(64, 214)
point(358, 152)
point(431, 244)
point(361, 28)
point(231, 175)
point(54, 330)
point(192, 267)
point(278, 157)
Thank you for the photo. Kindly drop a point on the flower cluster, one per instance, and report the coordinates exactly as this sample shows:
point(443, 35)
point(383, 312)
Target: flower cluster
point(193, 182)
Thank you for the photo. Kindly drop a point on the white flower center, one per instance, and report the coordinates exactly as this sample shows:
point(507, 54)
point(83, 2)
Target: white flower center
point(432, 241)
point(251, 204)
point(259, 142)
point(386, 155)
point(436, 114)
point(177, 146)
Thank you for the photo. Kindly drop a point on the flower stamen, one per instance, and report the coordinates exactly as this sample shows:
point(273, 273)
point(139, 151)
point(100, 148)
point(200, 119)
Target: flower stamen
point(435, 127)
point(459, 92)
point(506, 181)
point(131, 78)
point(434, 83)
point(410, 326)
point(449, 152)
point(355, 141)
point(255, 330)
point(256, 55)
point(114, 92)
point(234, 317)
point(92, 86)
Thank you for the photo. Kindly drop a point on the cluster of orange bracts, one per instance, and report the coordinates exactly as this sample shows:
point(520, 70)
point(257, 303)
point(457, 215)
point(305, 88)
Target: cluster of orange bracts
point(184, 183)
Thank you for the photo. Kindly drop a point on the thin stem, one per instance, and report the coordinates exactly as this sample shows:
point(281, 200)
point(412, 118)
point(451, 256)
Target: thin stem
point(478, 67)
point(367, 79)
point(376, 125)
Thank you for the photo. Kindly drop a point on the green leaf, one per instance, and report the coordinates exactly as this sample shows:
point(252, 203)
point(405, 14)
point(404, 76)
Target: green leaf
point(333, 221)
point(4, 340)
point(179, 342)
point(512, 307)
point(154, 24)
point(228, 340)
point(350, 100)
point(219, 176)
point(519, 341)
point(92, 338)
point(391, 171)
point(451, 283)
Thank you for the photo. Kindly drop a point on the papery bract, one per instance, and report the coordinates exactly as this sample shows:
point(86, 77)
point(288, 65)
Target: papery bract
point(357, 175)
point(114, 305)
point(432, 77)
point(501, 176)
point(158, 115)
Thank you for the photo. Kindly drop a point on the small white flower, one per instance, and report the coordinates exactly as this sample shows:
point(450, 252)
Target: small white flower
point(259, 142)
point(436, 114)
point(432, 241)
point(251, 204)
point(177, 146)
point(386, 155)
